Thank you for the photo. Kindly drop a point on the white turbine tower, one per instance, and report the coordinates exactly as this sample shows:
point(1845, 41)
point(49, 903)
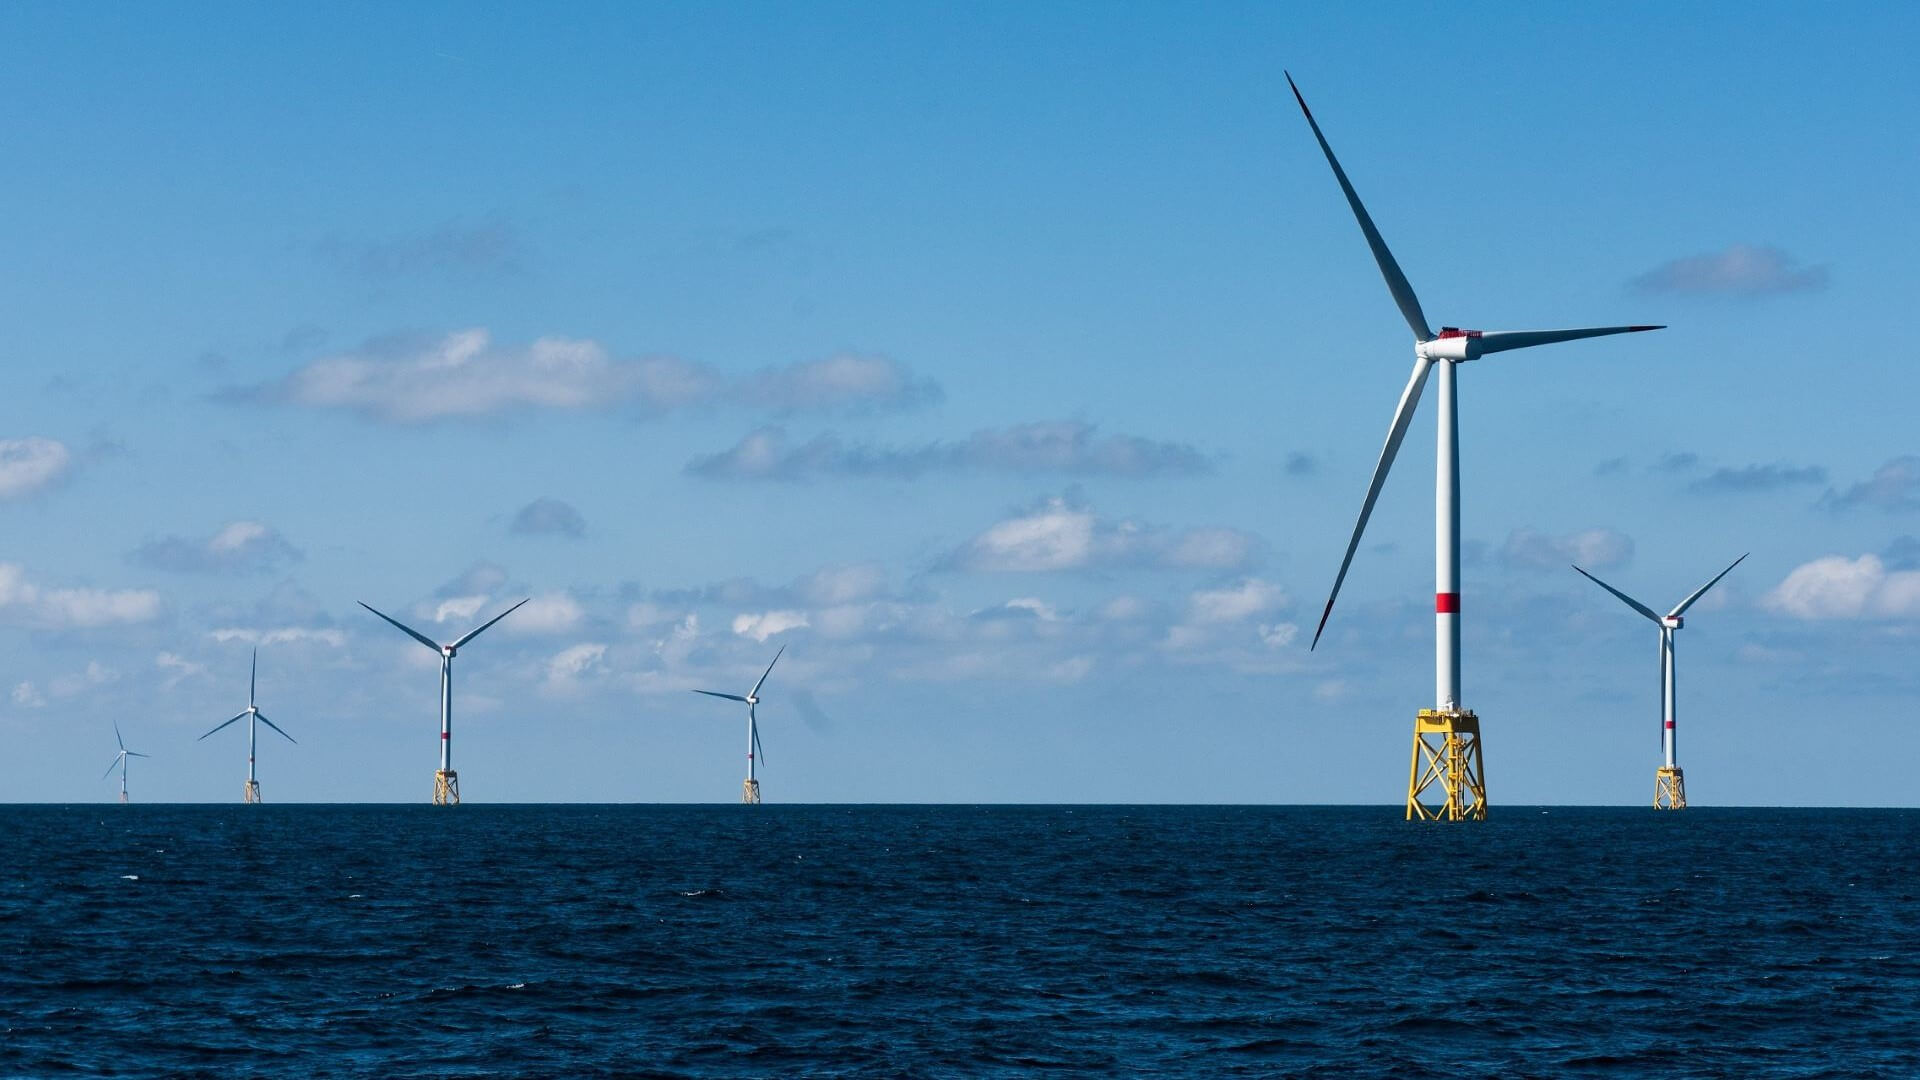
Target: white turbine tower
point(120, 761)
point(1669, 784)
point(750, 791)
point(446, 782)
point(1446, 738)
point(252, 713)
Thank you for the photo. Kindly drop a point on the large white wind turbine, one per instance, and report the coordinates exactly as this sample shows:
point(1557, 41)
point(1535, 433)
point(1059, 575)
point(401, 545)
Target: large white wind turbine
point(252, 713)
point(1669, 785)
point(120, 761)
point(1454, 760)
point(750, 791)
point(446, 783)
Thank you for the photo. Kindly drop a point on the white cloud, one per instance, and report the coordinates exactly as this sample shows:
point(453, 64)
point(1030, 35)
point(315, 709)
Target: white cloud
point(1041, 609)
point(1836, 587)
point(72, 608)
point(570, 663)
point(284, 635)
point(32, 464)
point(1123, 608)
point(1593, 549)
point(549, 613)
point(1058, 446)
point(459, 608)
point(177, 668)
point(237, 547)
point(1278, 635)
point(844, 584)
point(95, 674)
point(766, 624)
point(1249, 598)
point(1060, 535)
point(645, 614)
point(25, 696)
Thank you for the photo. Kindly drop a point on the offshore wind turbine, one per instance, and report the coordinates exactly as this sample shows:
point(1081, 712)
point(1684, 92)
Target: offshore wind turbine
point(750, 791)
point(1669, 783)
point(251, 714)
point(120, 761)
point(446, 782)
point(1446, 738)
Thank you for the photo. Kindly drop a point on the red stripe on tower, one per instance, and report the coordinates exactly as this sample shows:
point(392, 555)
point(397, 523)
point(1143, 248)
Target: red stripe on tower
point(446, 735)
point(1446, 603)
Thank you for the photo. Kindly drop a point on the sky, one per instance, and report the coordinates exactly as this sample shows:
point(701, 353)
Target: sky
point(1017, 368)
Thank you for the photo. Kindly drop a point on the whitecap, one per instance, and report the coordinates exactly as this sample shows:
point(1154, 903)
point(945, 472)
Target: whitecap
point(129, 877)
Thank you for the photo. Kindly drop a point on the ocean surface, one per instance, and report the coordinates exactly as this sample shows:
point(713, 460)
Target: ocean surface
point(956, 941)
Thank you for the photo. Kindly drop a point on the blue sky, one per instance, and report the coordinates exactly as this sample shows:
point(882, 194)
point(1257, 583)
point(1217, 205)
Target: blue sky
point(1019, 368)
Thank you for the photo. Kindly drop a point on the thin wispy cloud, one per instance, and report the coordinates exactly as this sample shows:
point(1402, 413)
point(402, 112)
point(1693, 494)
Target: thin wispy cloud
point(1757, 478)
point(1894, 486)
point(1590, 548)
point(1741, 270)
point(548, 517)
point(27, 602)
point(1067, 447)
point(1059, 534)
point(32, 464)
point(240, 547)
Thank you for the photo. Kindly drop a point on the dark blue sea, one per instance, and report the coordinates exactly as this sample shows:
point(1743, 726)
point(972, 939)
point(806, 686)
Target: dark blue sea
point(956, 941)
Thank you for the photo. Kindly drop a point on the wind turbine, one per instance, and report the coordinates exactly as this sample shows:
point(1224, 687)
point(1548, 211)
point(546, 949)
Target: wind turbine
point(1669, 784)
point(446, 782)
point(252, 713)
point(120, 761)
point(750, 791)
point(1446, 737)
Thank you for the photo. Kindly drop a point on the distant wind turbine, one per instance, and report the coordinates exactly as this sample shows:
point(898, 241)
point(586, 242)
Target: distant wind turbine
point(750, 791)
point(1669, 785)
point(1454, 760)
point(252, 713)
point(446, 783)
point(120, 761)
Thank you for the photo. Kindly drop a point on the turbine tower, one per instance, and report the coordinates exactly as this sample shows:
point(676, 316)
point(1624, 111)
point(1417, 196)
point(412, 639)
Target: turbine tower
point(750, 791)
point(1446, 738)
point(252, 713)
point(1669, 784)
point(446, 782)
point(120, 761)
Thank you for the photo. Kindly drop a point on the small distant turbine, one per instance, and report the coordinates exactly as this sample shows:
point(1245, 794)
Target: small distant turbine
point(750, 791)
point(1669, 785)
point(120, 761)
point(252, 713)
point(446, 782)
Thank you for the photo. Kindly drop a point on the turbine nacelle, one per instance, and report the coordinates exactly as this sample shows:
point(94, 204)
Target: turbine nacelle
point(1452, 344)
point(1673, 622)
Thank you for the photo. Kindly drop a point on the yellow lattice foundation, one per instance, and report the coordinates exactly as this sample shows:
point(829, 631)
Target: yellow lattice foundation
point(446, 787)
point(750, 792)
point(252, 794)
point(1669, 789)
point(1446, 781)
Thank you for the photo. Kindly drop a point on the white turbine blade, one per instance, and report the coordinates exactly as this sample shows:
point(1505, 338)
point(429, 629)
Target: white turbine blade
point(1702, 590)
point(115, 764)
point(403, 627)
point(757, 751)
point(253, 675)
point(755, 692)
point(1402, 416)
point(1624, 598)
point(136, 753)
point(222, 724)
point(1493, 341)
point(716, 693)
point(276, 727)
point(117, 738)
point(1389, 269)
point(475, 632)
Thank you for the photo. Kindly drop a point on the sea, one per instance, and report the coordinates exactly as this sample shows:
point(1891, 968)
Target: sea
point(956, 941)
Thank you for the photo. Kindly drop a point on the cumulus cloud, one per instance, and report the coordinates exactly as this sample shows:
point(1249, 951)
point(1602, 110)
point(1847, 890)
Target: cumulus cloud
point(240, 547)
point(32, 464)
point(72, 608)
point(1836, 587)
point(1893, 486)
point(548, 613)
point(1059, 446)
point(1593, 549)
point(571, 663)
point(1061, 535)
point(410, 380)
point(1756, 478)
point(1741, 270)
point(1245, 600)
point(762, 625)
point(548, 517)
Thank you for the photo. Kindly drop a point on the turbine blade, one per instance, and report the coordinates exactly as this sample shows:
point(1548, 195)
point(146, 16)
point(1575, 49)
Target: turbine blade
point(253, 674)
point(114, 765)
point(716, 693)
point(276, 727)
point(1702, 590)
point(136, 753)
point(475, 632)
point(1493, 341)
point(1402, 416)
point(755, 692)
point(222, 724)
point(757, 751)
point(1624, 598)
point(402, 627)
point(117, 738)
point(1389, 269)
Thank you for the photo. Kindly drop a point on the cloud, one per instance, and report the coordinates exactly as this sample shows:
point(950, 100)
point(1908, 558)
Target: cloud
point(763, 625)
point(63, 609)
point(1592, 549)
point(570, 663)
point(32, 464)
point(454, 245)
point(548, 517)
point(1739, 271)
point(25, 696)
point(1902, 553)
point(285, 635)
point(1245, 600)
point(412, 380)
point(178, 668)
point(1060, 535)
point(1754, 478)
point(1836, 587)
point(1299, 464)
point(1057, 446)
point(548, 613)
point(240, 547)
point(1893, 486)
